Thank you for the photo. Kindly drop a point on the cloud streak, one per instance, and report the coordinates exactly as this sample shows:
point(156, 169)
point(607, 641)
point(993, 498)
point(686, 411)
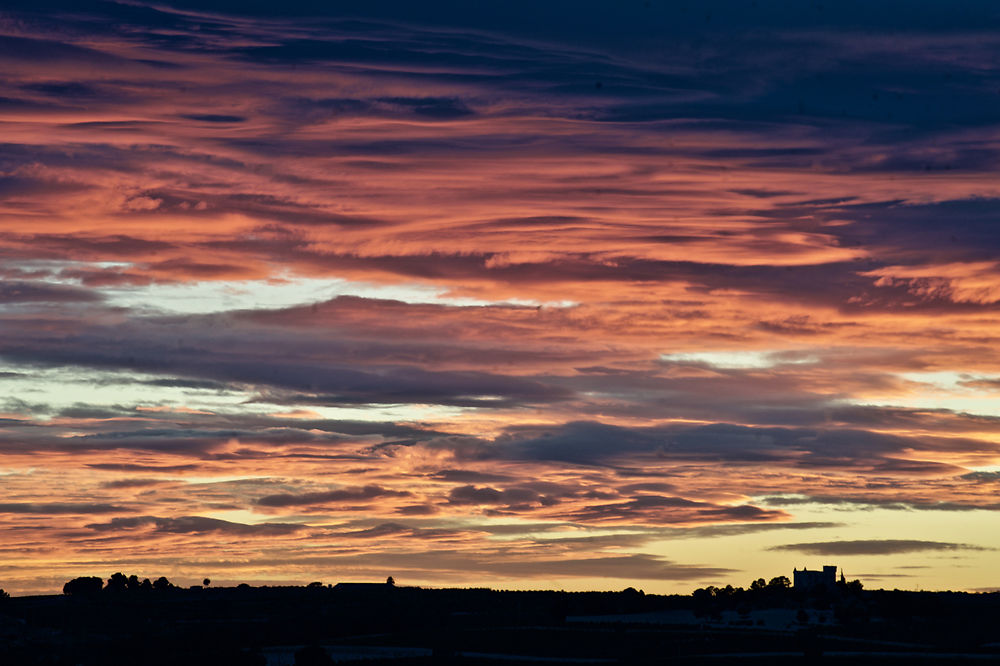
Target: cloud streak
point(875, 547)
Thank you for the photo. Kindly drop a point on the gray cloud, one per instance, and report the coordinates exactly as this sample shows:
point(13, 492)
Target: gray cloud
point(468, 476)
point(589, 443)
point(136, 467)
point(134, 483)
point(875, 547)
point(362, 494)
point(982, 477)
point(514, 499)
point(27, 292)
point(895, 503)
point(660, 510)
point(194, 525)
point(54, 508)
point(399, 530)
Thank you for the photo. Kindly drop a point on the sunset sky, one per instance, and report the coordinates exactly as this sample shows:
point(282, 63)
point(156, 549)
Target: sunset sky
point(571, 295)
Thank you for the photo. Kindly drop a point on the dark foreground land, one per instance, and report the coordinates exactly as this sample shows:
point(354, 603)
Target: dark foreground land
point(404, 625)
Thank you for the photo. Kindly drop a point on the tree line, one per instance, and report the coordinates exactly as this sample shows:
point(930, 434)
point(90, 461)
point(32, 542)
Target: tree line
point(776, 590)
point(118, 583)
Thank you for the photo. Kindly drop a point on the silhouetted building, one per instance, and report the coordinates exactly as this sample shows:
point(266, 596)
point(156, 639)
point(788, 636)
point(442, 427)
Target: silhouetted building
point(806, 579)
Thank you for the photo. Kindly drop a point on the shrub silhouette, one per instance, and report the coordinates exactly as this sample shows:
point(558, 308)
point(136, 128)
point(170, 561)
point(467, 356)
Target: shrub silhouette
point(161, 584)
point(84, 586)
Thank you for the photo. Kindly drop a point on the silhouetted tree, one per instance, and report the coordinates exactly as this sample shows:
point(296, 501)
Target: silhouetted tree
point(853, 588)
point(84, 586)
point(117, 583)
point(132, 584)
point(206, 582)
point(161, 584)
point(145, 585)
point(4, 595)
point(758, 585)
point(705, 592)
point(390, 581)
point(779, 583)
